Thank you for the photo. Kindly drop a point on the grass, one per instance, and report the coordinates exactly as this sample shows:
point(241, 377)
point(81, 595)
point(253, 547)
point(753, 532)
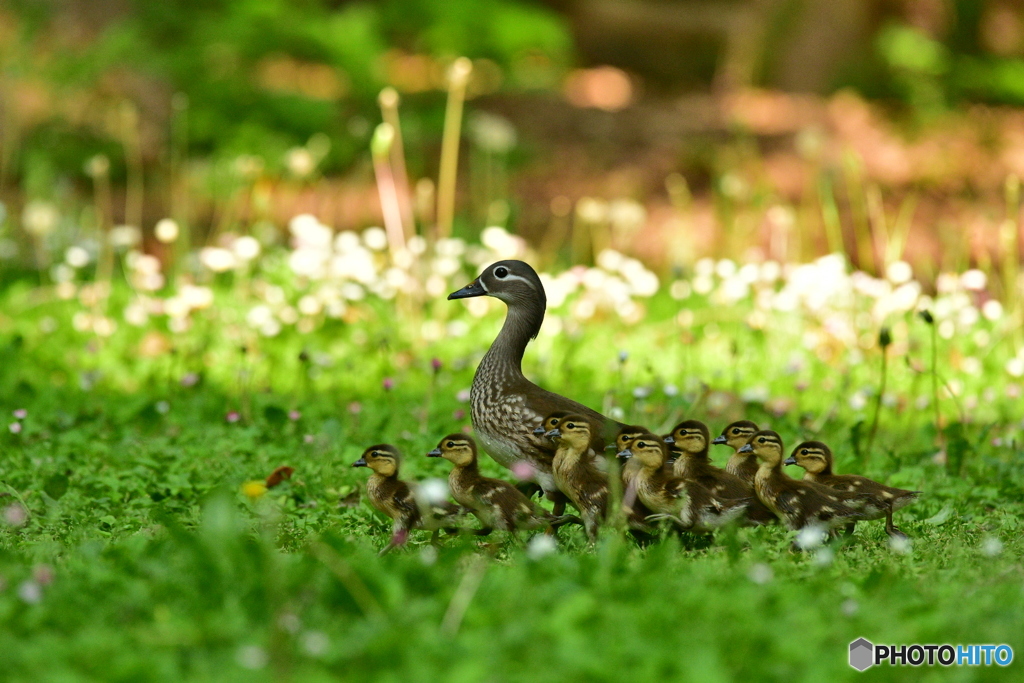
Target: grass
point(140, 559)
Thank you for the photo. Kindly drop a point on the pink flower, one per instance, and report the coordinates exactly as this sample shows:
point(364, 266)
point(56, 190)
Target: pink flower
point(190, 380)
point(233, 417)
point(459, 414)
point(308, 438)
point(462, 396)
point(15, 427)
point(294, 415)
point(355, 407)
point(20, 414)
point(43, 574)
point(522, 470)
point(435, 363)
point(389, 384)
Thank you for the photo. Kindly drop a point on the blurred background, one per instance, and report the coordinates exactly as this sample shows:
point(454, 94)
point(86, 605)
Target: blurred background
point(668, 129)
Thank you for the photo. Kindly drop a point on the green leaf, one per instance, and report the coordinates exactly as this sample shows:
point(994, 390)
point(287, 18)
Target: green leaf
point(56, 486)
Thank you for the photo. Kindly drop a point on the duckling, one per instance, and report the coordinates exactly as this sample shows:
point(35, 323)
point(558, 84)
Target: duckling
point(636, 512)
point(396, 499)
point(688, 504)
point(575, 474)
point(736, 435)
point(816, 458)
point(505, 407)
point(798, 504)
point(689, 442)
point(496, 503)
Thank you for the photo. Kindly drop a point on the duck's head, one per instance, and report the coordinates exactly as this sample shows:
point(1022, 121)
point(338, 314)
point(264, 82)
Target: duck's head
point(514, 282)
point(813, 456)
point(766, 445)
point(737, 434)
point(649, 449)
point(625, 437)
point(457, 448)
point(690, 436)
point(550, 422)
point(382, 459)
point(573, 430)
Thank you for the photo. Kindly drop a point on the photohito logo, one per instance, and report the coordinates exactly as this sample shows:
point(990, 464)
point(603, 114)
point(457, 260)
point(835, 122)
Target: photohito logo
point(865, 654)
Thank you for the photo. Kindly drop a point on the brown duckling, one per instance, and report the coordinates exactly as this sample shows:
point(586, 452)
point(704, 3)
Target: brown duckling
point(575, 474)
point(396, 499)
point(496, 503)
point(636, 512)
point(816, 458)
point(798, 504)
point(689, 442)
point(688, 504)
point(736, 435)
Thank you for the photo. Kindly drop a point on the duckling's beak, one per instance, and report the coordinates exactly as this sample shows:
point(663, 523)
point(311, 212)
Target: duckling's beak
point(625, 454)
point(610, 447)
point(539, 431)
point(474, 288)
point(671, 460)
point(436, 453)
point(554, 433)
point(361, 462)
point(719, 439)
point(789, 461)
point(669, 439)
point(747, 448)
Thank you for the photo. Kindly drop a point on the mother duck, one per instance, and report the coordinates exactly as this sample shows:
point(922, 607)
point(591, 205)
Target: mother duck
point(506, 407)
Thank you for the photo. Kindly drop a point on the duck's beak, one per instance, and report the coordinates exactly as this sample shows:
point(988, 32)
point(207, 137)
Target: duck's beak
point(436, 453)
point(361, 462)
point(747, 448)
point(610, 447)
point(474, 288)
point(539, 431)
point(789, 461)
point(719, 439)
point(624, 454)
point(669, 439)
point(554, 433)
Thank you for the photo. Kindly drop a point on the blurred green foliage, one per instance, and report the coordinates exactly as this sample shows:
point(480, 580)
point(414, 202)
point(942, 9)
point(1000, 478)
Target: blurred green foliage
point(261, 76)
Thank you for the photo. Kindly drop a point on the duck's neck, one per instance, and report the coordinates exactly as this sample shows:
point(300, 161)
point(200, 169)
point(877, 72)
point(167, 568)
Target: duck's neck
point(522, 323)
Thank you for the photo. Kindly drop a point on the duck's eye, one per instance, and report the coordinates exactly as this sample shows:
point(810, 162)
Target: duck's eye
point(570, 426)
point(804, 452)
point(500, 272)
point(761, 440)
point(450, 444)
point(735, 431)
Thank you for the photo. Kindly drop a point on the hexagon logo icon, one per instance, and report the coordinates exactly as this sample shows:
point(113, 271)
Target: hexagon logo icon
point(861, 654)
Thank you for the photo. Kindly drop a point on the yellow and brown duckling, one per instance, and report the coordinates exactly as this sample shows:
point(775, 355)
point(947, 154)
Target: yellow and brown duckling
point(575, 474)
point(636, 512)
point(689, 442)
point(798, 504)
point(688, 504)
point(736, 436)
point(396, 499)
point(496, 503)
point(506, 407)
point(816, 458)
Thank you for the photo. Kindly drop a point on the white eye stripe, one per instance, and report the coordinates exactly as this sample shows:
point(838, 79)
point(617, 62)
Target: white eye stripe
point(510, 276)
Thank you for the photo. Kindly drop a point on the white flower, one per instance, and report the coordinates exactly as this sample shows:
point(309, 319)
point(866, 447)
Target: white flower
point(76, 257)
point(125, 236)
point(900, 545)
point(39, 218)
point(974, 279)
point(432, 492)
point(760, 573)
point(166, 230)
point(30, 592)
point(811, 536)
point(899, 272)
point(299, 161)
point(252, 657)
point(246, 248)
point(217, 259)
point(540, 546)
point(375, 238)
point(991, 546)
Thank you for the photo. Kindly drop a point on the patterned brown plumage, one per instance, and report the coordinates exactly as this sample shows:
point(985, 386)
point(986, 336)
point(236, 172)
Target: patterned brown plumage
point(496, 503)
point(736, 435)
point(689, 505)
point(575, 474)
point(689, 442)
point(798, 504)
point(505, 407)
point(816, 458)
point(396, 499)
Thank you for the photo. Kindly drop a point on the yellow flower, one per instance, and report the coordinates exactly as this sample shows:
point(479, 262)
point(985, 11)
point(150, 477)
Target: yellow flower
point(254, 489)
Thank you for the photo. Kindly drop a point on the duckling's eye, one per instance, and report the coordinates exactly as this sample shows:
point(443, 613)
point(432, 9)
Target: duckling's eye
point(450, 444)
point(804, 452)
point(735, 431)
point(500, 272)
point(761, 440)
